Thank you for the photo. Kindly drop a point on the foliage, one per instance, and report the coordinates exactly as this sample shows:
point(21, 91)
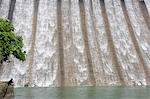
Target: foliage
point(10, 43)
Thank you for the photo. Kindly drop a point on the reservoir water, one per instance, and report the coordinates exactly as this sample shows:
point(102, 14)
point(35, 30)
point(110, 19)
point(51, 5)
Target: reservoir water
point(83, 93)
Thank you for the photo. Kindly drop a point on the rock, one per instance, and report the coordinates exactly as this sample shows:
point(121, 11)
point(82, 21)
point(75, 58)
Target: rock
point(6, 90)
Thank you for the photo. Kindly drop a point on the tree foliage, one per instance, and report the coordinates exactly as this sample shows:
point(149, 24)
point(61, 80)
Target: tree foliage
point(10, 43)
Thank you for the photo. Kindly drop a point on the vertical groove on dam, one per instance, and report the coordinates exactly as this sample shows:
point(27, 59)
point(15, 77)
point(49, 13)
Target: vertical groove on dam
point(145, 13)
point(11, 9)
point(95, 33)
point(0, 3)
point(86, 42)
point(71, 75)
point(135, 43)
point(111, 44)
point(60, 44)
point(32, 49)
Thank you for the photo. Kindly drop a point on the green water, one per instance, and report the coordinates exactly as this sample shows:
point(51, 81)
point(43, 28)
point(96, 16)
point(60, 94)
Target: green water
point(83, 93)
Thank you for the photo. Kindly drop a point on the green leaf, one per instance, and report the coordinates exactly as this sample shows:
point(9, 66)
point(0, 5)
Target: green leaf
point(10, 43)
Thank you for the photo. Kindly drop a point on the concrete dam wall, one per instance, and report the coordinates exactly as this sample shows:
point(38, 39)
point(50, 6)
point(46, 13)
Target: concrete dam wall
point(80, 42)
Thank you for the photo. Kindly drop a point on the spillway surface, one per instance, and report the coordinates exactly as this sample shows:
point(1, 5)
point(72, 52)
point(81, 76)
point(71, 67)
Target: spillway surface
point(80, 42)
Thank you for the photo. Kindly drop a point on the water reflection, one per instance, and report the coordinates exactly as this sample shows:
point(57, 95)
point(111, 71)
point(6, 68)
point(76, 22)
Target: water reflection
point(61, 93)
point(90, 93)
point(83, 93)
point(116, 93)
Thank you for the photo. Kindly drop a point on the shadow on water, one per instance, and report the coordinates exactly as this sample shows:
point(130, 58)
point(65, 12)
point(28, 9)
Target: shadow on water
point(83, 93)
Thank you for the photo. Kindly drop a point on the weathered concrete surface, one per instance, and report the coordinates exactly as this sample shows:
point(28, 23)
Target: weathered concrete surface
point(81, 42)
